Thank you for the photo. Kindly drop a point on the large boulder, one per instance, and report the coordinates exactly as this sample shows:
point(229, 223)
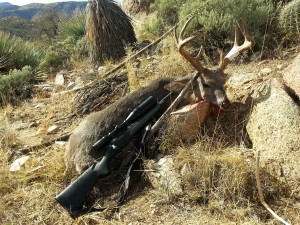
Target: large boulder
point(274, 128)
point(291, 76)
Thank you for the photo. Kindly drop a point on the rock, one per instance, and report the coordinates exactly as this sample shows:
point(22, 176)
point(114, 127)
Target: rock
point(33, 124)
point(279, 67)
point(102, 69)
point(186, 122)
point(165, 177)
point(239, 86)
point(52, 129)
point(17, 164)
point(61, 143)
point(71, 85)
point(59, 79)
point(266, 71)
point(274, 128)
point(291, 76)
point(79, 82)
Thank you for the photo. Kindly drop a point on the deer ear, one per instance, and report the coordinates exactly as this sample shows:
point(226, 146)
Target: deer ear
point(175, 87)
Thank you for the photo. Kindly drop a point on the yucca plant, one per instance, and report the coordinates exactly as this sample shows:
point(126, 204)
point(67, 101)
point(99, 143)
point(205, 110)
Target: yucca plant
point(17, 53)
point(109, 29)
point(73, 27)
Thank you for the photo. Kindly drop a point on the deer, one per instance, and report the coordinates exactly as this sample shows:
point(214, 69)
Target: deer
point(204, 83)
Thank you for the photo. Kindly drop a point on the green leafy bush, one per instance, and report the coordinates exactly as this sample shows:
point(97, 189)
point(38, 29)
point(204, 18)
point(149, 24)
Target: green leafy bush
point(168, 10)
point(62, 53)
point(219, 22)
point(15, 85)
point(151, 28)
point(73, 27)
point(16, 53)
point(216, 19)
point(289, 19)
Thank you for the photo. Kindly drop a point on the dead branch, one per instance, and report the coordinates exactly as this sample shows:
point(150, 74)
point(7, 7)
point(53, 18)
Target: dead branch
point(121, 64)
point(29, 149)
point(260, 191)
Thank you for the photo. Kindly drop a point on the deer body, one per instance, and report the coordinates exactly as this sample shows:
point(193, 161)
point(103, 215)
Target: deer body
point(209, 86)
point(98, 124)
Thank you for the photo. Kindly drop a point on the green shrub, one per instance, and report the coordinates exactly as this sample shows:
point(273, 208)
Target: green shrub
point(16, 53)
point(168, 10)
point(16, 84)
point(216, 19)
point(51, 59)
point(70, 45)
point(151, 28)
point(62, 54)
point(73, 27)
point(289, 19)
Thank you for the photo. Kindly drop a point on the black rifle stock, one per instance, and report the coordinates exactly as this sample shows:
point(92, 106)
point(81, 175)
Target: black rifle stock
point(75, 195)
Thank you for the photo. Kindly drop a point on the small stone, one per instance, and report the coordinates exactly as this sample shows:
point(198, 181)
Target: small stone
point(165, 177)
point(79, 81)
point(101, 69)
point(17, 164)
point(71, 85)
point(53, 129)
point(59, 79)
point(61, 143)
point(33, 124)
point(266, 70)
point(279, 67)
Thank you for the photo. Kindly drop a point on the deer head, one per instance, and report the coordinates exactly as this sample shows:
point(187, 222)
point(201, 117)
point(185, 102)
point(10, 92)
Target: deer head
point(210, 85)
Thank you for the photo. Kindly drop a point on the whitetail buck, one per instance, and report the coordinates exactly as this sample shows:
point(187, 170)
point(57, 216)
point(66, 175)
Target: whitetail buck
point(210, 87)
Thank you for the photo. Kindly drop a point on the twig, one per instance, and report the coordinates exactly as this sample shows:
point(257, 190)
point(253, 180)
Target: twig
point(28, 149)
point(260, 192)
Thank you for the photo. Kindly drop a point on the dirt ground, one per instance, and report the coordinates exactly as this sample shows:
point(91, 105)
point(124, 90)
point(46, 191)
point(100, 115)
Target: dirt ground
point(28, 194)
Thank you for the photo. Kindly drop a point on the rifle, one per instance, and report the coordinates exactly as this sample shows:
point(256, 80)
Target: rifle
point(136, 113)
point(75, 195)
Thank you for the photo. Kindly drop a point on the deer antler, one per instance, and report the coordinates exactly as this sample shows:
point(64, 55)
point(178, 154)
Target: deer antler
point(182, 42)
point(236, 50)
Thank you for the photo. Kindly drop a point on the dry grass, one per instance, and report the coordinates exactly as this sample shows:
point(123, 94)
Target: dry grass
point(217, 175)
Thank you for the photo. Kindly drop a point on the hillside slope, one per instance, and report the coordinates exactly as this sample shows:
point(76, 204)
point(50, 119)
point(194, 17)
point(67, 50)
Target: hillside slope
point(31, 10)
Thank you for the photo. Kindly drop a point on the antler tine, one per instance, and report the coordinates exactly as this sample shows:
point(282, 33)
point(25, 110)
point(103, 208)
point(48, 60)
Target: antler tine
point(182, 42)
point(236, 50)
point(237, 33)
point(249, 41)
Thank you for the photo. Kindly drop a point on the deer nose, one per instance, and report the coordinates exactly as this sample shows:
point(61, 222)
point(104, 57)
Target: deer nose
point(225, 105)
